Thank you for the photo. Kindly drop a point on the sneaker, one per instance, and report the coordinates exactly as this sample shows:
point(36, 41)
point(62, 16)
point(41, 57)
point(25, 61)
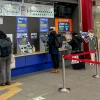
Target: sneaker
point(54, 71)
point(58, 70)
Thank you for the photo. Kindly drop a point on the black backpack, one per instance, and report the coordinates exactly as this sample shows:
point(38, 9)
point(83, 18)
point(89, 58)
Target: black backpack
point(5, 47)
point(77, 41)
point(58, 41)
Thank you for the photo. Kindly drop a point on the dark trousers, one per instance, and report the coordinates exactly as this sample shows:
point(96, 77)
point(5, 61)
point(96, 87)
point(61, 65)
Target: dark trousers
point(55, 59)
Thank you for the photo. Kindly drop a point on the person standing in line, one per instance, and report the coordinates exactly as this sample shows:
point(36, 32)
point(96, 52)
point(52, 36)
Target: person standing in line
point(75, 42)
point(53, 50)
point(5, 59)
point(91, 39)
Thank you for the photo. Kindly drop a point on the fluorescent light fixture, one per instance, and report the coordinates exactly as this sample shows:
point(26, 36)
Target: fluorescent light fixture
point(97, 22)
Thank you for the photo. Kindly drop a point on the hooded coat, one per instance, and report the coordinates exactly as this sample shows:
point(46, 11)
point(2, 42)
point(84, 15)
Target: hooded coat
point(51, 43)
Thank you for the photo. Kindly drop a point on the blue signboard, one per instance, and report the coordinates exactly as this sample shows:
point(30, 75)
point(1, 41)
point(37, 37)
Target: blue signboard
point(22, 25)
point(43, 25)
point(63, 26)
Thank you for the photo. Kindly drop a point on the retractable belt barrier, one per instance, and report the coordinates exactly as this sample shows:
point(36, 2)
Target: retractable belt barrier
point(70, 57)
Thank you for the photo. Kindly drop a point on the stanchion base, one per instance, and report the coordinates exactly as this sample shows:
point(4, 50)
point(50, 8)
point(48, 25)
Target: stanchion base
point(64, 90)
point(96, 76)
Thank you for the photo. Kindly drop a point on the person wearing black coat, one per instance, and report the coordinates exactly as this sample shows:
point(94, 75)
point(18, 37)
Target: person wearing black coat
point(53, 50)
point(76, 42)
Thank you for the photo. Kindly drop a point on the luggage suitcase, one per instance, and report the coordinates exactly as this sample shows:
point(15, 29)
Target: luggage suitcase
point(78, 65)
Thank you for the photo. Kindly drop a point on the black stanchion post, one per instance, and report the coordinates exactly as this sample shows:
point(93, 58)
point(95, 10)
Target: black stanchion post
point(64, 89)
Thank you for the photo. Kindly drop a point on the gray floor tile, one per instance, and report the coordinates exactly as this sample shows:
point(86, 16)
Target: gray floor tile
point(83, 85)
point(66, 96)
point(35, 88)
point(19, 96)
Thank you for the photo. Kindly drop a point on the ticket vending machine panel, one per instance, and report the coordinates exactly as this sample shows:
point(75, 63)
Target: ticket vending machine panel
point(43, 42)
point(23, 46)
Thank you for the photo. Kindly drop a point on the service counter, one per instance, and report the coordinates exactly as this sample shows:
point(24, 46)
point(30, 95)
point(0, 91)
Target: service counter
point(37, 61)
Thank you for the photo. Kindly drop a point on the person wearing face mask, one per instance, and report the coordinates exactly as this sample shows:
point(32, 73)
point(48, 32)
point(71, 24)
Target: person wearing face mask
point(92, 44)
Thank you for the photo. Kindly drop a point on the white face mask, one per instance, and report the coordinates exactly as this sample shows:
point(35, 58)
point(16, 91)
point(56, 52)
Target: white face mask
point(91, 36)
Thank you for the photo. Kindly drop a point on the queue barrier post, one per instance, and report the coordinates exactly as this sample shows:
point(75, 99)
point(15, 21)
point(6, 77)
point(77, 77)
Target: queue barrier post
point(64, 89)
point(97, 66)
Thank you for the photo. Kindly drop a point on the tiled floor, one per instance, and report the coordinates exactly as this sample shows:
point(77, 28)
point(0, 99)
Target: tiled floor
point(83, 85)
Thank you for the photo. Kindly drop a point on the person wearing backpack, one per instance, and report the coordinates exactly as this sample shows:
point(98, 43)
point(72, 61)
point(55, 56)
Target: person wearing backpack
point(53, 50)
point(5, 59)
point(75, 42)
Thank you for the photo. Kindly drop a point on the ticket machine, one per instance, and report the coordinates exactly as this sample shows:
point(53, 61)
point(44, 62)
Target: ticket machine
point(43, 41)
point(23, 45)
point(64, 26)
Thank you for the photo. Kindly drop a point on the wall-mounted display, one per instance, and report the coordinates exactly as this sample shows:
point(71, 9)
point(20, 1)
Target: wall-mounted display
point(40, 10)
point(43, 25)
point(33, 35)
point(22, 35)
point(63, 26)
point(8, 8)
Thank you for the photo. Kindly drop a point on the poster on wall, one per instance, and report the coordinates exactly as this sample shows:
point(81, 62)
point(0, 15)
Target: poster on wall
point(22, 26)
point(1, 20)
point(10, 36)
point(63, 26)
point(43, 24)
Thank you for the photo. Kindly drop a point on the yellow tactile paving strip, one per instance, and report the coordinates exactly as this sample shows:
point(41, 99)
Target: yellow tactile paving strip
point(13, 89)
point(10, 86)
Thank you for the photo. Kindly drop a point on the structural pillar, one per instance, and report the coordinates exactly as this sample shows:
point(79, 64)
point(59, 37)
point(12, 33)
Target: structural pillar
point(87, 20)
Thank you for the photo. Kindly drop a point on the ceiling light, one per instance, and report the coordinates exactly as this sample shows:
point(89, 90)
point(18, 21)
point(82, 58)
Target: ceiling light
point(97, 22)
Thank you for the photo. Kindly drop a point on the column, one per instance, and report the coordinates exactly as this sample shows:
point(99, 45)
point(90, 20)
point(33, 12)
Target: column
point(87, 19)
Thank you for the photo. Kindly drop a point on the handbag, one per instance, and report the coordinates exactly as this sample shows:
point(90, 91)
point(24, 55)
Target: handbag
point(12, 61)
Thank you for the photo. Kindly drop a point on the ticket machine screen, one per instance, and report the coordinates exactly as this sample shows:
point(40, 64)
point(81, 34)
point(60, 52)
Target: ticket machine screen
point(23, 41)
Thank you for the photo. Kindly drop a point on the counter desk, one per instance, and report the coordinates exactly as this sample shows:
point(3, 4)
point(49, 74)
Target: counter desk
point(29, 63)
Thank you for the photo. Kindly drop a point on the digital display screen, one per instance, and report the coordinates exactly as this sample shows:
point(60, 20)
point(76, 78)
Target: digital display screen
point(23, 41)
point(63, 26)
point(68, 36)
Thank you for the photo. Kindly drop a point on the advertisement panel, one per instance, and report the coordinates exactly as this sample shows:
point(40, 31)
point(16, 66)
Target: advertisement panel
point(43, 25)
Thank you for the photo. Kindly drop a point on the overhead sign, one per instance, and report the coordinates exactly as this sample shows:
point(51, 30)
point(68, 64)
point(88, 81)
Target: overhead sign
point(43, 25)
point(22, 25)
point(8, 8)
